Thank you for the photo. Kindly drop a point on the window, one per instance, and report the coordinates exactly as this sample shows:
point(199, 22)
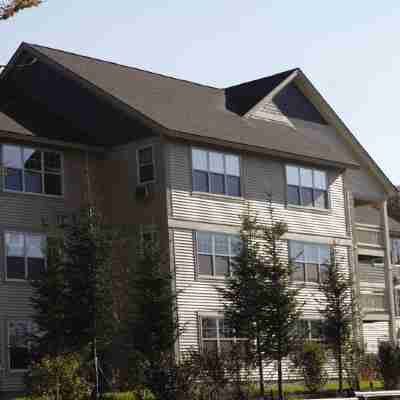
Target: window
point(216, 172)
point(146, 169)
point(216, 253)
point(25, 257)
point(395, 250)
point(19, 334)
point(306, 187)
point(32, 171)
point(216, 335)
point(309, 260)
point(311, 329)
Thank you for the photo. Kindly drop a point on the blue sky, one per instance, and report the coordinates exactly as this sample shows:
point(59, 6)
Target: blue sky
point(348, 49)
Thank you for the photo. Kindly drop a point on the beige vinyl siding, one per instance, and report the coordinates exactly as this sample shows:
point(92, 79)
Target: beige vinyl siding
point(375, 332)
point(198, 296)
point(259, 177)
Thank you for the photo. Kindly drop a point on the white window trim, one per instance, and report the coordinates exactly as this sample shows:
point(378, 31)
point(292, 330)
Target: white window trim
point(42, 172)
point(230, 256)
point(153, 163)
point(30, 325)
point(313, 207)
point(309, 320)
point(208, 151)
point(293, 260)
point(25, 256)
point(217, 316)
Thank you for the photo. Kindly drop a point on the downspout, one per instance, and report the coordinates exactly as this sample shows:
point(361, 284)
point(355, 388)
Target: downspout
point(388, 273)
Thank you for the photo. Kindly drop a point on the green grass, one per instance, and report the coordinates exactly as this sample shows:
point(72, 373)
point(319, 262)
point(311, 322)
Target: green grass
point(297, 389)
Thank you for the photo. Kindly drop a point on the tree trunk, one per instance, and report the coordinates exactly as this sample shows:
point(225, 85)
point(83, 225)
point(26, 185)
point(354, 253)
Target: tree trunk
point(280, 386)
point(260, 367)
point(340, 366)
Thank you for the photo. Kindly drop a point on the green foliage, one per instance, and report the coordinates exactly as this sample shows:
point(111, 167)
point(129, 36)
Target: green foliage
point(389, 364)
point(120, 396)
point(73, 299)
point(151, 326)
point(259, 301)
point(338, 312)
point(58, 378)
point(311, 359)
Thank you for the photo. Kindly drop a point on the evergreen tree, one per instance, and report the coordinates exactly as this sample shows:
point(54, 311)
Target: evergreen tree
point(152, 328)
point(338, 312)
point(259, 301)
point(73, 299)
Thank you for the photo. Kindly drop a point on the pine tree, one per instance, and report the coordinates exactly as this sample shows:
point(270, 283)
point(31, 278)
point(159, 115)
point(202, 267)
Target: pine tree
point(338, 312)
point(152, 328)
point(259, 301)
point(73, 299)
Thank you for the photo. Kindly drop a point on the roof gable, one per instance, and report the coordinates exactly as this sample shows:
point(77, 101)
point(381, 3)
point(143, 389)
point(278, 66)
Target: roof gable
point(183, 108)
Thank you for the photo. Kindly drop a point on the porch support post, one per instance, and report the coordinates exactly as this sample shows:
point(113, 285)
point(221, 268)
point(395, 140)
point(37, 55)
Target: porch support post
point(389, 293)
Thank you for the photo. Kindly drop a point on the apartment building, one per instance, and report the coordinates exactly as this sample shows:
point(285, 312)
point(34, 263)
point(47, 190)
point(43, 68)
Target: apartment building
point(186, 160)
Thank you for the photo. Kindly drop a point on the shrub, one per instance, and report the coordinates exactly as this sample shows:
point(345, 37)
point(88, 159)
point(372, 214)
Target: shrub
point(120, 396)
point(310, 359)
point(58, 378)
point(389, 365)
point(369, 367)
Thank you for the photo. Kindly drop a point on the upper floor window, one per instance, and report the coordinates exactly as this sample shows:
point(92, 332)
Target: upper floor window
point(216, 335)
point(395, 250)
point(216, 253)
point(216, 172)
point(146, 169)
point(19, 340)
point(306, 187)
point(32, 171)
point(310, 261)
point(25, 257)
point(311, 329)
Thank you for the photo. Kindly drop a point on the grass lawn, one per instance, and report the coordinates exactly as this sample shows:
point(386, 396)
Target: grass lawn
point(328, 389)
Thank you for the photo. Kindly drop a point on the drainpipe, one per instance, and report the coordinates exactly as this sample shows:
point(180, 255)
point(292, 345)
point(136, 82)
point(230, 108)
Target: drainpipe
point(388, 272)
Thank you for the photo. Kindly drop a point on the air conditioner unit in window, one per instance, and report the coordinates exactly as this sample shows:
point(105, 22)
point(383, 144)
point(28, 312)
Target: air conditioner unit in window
point(144, 191)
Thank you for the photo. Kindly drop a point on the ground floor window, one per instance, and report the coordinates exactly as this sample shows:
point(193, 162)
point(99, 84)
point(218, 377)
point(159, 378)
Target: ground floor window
point(311, 329)
point(216, 335)
point(19, 339)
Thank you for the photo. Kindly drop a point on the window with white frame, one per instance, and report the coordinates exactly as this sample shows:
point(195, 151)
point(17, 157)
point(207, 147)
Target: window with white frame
point(25, 258)
point(146, 168)
point(19, 339)
point(311, 329)
point(310, 261)
point(306, 187)
point(395, 250)
point(216, 253)
point(217, 336)
point(216, 172)
point(32, 171)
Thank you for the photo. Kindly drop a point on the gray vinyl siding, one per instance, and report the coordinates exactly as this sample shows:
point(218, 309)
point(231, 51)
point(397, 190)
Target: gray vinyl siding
point(260, 176)
point(27, 213)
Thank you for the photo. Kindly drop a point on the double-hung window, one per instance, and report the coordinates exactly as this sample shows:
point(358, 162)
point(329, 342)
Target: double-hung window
point(216, 253)
point(395, 250)
point(19, 339)
point(311, 329)
point(217, 336)
point(306, 187)
point(310, 261)
point(145, 161)
point(216, 172)
point(32, 171)
point(25, 258)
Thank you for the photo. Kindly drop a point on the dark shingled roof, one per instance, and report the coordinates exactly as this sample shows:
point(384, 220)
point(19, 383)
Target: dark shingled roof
point(190, 108)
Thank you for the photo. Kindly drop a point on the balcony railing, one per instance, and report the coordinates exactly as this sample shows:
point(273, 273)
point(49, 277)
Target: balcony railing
point(368, 236)
point(373, 302)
